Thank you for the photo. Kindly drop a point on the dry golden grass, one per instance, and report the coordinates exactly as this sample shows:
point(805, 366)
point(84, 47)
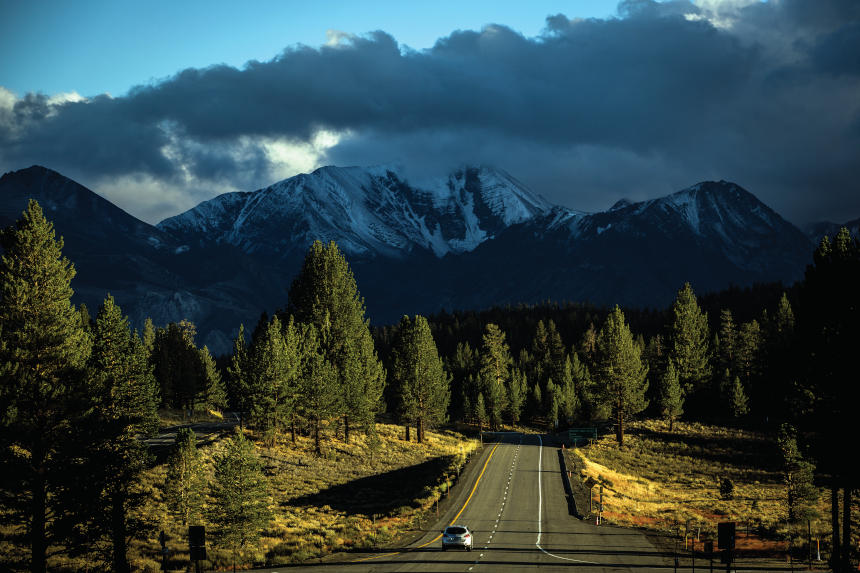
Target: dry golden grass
point(323, 504)
point(661, 480)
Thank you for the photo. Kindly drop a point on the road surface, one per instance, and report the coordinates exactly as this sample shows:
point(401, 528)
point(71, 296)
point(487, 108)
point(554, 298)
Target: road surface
point(514, 501)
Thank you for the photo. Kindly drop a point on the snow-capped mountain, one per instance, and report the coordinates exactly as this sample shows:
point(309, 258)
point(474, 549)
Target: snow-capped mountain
point(369, 212)
point(471, 239)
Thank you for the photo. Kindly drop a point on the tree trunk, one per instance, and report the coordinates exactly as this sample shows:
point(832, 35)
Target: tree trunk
point(293, 429)
point(671, 423)
point(346, 428)
point(38, 542)
point(619, 431)
point(408, 428)
point(835, 553)
point(119, 534)
point(846, 526)
point(421, 430)
point(317, 436)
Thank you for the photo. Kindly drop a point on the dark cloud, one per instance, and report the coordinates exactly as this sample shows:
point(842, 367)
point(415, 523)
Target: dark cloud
point(667, 94)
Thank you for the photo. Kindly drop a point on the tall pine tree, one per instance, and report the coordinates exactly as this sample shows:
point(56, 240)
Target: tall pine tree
point(185, 486)
point(689, 348)
point(43, 351)
point(325, 294)
point(422, 385)
point(495, 373)
point(240, 497)
point(619, 372)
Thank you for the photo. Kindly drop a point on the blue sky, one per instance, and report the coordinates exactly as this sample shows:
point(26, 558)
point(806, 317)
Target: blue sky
point(92, 47)
point(160, 105)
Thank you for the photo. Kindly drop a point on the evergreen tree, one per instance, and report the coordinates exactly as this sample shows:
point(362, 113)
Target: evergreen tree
point(689, 346)
point(325, 294)
point(214, 394)
point(185, 486)
point(740, 404)
point(517, 388)
point(273, 374)
point(422, 385)
point(828, 318)
point(801, 493)
point(461, 366)
point(177, 366)
point(238, 385)
point(619, 372)
point(748, 352)
point(727, 339)
point(551, 401)
point(240, 497)
point(148, 337)
point(124, 395)
point(320, 399)
point(481, 412)
point(671, 395)
point(43, 351)
point(495, 373)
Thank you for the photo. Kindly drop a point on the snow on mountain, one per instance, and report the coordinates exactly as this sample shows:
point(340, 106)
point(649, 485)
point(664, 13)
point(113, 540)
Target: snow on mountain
point(368, 211)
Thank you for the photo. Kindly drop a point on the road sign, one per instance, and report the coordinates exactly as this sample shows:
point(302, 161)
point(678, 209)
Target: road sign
point(581, 435)
point(197, 542)
point(726, 535)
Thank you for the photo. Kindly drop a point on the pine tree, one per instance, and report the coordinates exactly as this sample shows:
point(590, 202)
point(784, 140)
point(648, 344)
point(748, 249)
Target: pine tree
point(689, 346)
point(671, 395)
point(568, 394)
point(177, 366)
point(481, 412)
point(551, 402)
point(43, 350)
point(727, 339)
point(320, 399)
point(274, 369)
point(495, 373)
point(238, 387)
point(517, 388)
point(748, 352)
point(325, 294)
point(740, 404)
point(798, 475)
point(619, 372)
point(148, 337)
point(461, 366)
point(185, 486)
point(123, 393)
point(214, 394)
point(240, 497)
point(421, 383)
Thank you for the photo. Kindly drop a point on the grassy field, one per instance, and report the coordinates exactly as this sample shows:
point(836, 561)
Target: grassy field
point(328, 503)
point(322, 504)
point(661, 481)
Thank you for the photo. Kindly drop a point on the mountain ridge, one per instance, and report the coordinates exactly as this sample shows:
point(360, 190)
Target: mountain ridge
point(475, 238)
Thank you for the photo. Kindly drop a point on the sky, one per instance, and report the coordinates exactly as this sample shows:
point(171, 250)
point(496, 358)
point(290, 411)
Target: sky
point(160, 105)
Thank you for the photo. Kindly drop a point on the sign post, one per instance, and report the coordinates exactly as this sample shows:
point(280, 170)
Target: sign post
point(197, 544)
point(162, 538)
point(726, 542)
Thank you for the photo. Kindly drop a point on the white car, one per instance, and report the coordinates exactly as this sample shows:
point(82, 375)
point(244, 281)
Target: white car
point(457, 536)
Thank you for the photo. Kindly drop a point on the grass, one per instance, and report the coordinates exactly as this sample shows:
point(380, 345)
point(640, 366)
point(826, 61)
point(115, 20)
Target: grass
point(324, 504)
point(661, 481)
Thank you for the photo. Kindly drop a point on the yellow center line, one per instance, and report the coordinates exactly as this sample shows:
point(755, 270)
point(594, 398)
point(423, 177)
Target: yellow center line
point(453, 520)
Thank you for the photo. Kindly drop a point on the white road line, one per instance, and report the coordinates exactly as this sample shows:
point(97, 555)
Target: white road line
point(540, 508)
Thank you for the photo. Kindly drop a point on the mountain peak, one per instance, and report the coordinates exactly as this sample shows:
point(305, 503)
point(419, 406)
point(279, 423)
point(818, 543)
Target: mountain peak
point(369, 212)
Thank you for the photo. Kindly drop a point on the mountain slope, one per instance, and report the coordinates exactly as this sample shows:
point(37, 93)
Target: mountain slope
point(372, 212)
point(471, 240)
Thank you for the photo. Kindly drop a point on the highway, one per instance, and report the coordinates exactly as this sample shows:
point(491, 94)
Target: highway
point(512, 497)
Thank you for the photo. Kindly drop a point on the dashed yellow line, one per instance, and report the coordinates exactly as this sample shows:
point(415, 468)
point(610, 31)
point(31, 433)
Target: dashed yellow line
point(453, 520)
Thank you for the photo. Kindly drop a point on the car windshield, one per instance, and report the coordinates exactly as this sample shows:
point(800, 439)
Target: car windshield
point(455, 530)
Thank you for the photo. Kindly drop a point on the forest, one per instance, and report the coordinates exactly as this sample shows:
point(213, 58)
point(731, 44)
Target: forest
point(78, 393)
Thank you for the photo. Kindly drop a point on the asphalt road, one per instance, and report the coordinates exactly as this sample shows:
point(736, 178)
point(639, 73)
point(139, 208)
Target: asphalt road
point(513, 499)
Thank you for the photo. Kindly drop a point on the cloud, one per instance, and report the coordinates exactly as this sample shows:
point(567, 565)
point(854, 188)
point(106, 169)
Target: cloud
point(664, 95)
